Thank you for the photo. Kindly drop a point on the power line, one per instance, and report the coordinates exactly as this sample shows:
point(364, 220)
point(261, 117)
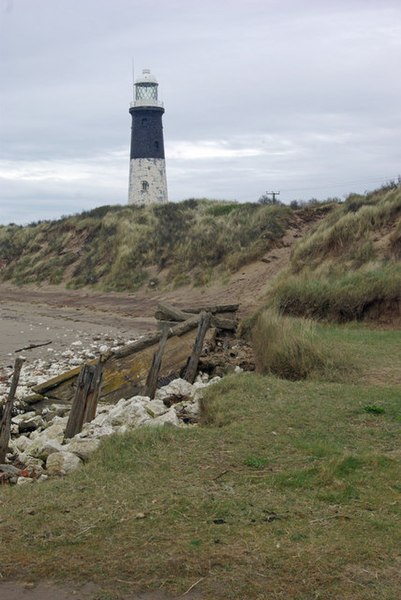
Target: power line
point(322, 187)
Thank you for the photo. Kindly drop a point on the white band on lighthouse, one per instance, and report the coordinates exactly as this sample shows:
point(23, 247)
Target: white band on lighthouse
point(147, 181)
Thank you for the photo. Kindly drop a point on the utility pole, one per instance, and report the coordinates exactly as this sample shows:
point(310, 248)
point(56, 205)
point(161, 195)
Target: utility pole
point(273, 195)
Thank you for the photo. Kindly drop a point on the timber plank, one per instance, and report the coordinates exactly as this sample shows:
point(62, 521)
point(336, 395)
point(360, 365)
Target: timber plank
point(125, 371)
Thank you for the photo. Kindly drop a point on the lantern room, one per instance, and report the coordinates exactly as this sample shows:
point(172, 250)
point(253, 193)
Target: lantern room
point(146, 90)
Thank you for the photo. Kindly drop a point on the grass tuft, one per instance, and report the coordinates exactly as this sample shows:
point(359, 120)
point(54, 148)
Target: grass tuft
point(291, 349)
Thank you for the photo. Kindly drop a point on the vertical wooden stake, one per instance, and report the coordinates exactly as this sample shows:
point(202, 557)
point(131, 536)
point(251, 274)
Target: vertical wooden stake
point(192, 367)
point(84, 404)
point(5, 424)
point(151, 381)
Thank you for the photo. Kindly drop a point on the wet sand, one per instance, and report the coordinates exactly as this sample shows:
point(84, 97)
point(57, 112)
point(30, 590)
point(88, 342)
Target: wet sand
point(23, 324)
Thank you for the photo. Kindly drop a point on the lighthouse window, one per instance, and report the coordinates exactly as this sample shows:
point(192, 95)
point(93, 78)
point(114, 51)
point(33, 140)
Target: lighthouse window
point(145, 186)
point(146, 91)
point(144, 122)
point(156, 145)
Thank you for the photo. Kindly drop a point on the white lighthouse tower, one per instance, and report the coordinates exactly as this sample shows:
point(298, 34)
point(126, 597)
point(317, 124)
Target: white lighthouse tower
point(147, 178)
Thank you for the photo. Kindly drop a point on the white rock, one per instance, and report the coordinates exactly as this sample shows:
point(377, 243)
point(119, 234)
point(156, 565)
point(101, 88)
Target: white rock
point(31, 463)
point(190, 408)
point(55, 431)
point(23, 417)
point(156, 408)
point(22, 443)
point(61, 463)
point(83, 447)
point(179, 388)
point(129, 412)
point(238, 369)
point(23, 480)
point(169, 418)
point(202, 378)
point(91, 430)
point(42, 447)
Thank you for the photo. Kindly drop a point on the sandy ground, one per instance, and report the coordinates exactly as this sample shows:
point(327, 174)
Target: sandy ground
point(23, 324)
point(89, 591)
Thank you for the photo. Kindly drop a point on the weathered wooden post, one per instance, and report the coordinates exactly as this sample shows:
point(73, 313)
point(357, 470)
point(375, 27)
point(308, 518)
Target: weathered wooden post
point(192, 367)
point(84, 404)
point(5, 425)
point(151, 381)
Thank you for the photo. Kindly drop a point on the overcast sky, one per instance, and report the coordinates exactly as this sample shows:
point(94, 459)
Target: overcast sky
point(300, 96)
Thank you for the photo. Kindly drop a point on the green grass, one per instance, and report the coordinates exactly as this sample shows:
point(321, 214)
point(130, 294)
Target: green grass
point(288, 490)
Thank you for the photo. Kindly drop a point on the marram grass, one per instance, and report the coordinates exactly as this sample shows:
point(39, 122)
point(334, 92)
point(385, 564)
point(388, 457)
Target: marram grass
point(114, 247)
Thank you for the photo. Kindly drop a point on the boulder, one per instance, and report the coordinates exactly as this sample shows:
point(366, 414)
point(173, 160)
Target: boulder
point(131, 412)
point(8, 474)
point(9, 469)
point(60, 463)
point(168, 419)
point(31, 424)
point(23, 480)
point(18, 419)
point(156, 408)
point(177, 390)
point(47, 442)
point(190, 409)
point(22, 443)
point(93, 430)
point(33, 465)
point(83, 447)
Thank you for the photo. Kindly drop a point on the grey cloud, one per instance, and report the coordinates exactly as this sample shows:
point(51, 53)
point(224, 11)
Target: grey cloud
point(312, 86)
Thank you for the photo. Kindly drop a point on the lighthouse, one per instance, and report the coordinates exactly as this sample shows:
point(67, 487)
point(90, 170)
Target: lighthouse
point(147, 177)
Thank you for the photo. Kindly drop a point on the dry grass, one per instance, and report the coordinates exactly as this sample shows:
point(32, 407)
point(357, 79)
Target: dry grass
point(115, 247)
point(348, 268)
point(348, 231)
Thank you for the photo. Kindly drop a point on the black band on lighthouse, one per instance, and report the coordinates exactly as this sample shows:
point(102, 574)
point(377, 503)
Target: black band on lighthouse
point(147, 132)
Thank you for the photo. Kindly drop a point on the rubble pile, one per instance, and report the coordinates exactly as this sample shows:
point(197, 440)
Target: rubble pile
point(38, 448)
point(55, 362)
